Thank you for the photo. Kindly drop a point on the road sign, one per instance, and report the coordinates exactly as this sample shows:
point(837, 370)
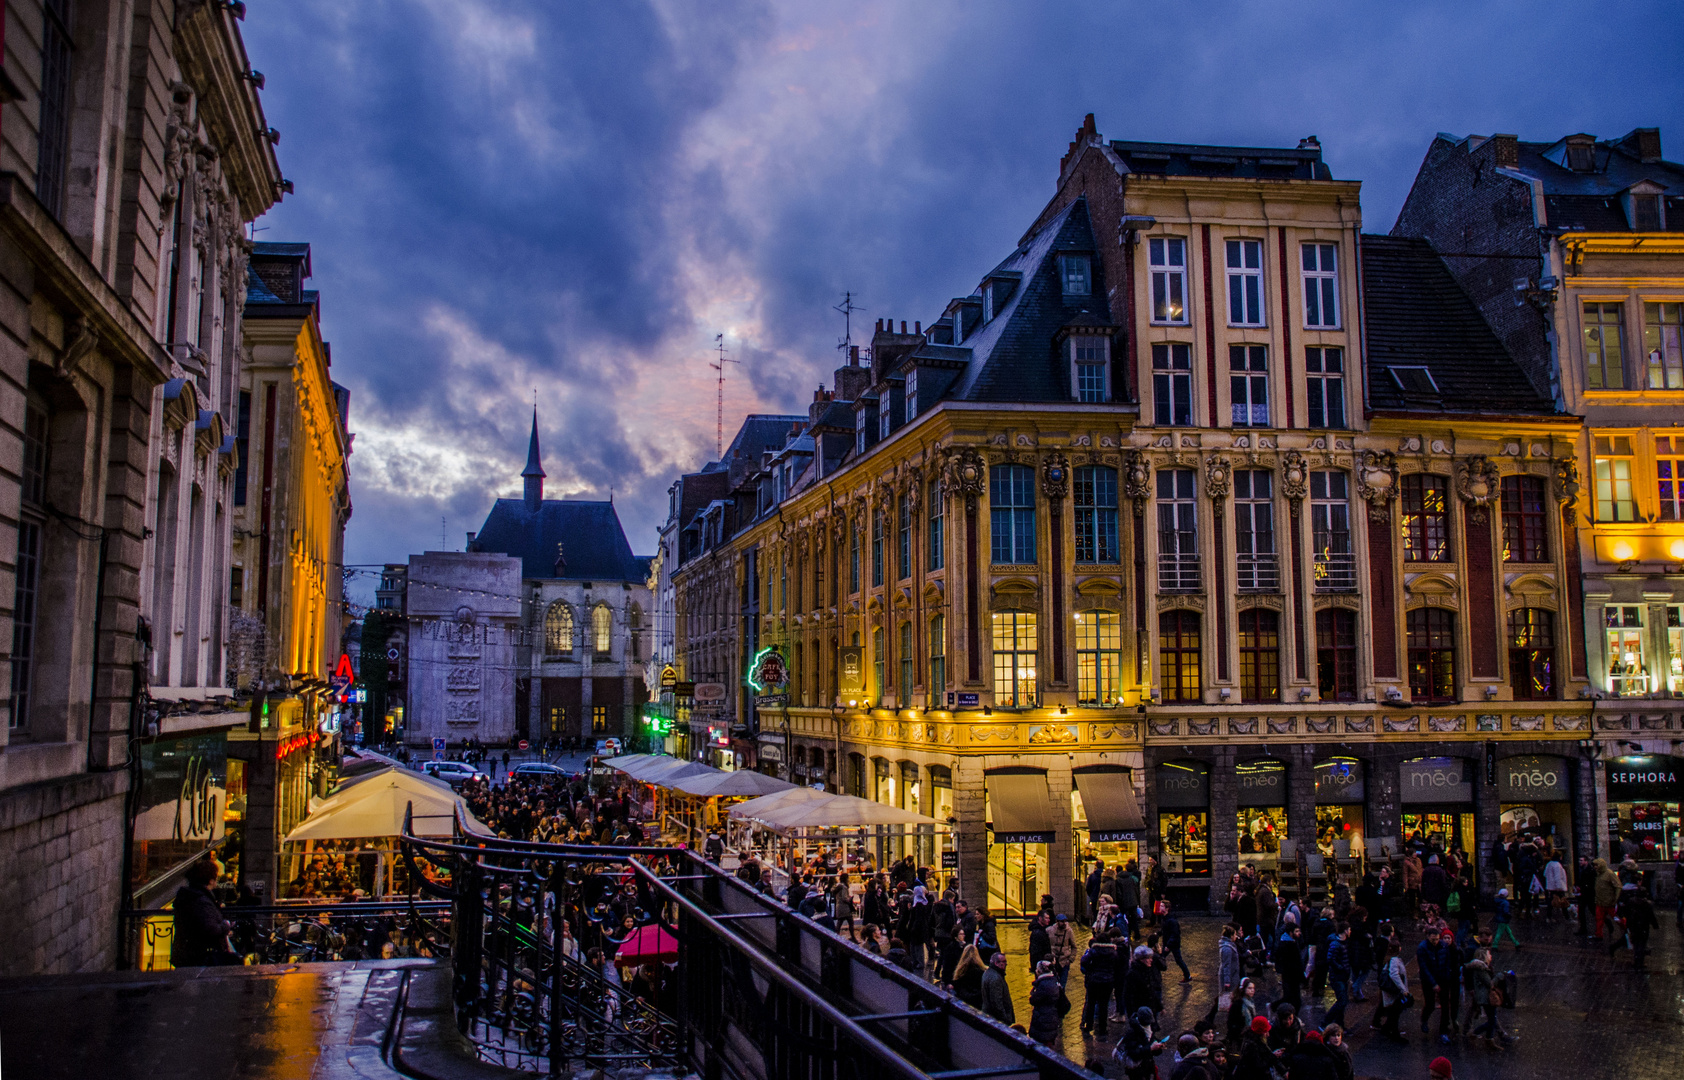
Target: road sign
point(392, 652)
point(967, 701)
point(343, 677)
point(523, 745)
point(438, 747)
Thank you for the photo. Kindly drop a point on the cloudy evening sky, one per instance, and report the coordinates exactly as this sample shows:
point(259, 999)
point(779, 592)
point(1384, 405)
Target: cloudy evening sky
point(505, 195)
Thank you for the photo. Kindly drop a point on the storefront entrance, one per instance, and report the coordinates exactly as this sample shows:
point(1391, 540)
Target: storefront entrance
point(1644, 795)
point(1340, 798)
point(1437, 797)
point(1183, 825)
point(1105, 819)
point(1534, 800)
point(1020, 828)
point(1261, 818)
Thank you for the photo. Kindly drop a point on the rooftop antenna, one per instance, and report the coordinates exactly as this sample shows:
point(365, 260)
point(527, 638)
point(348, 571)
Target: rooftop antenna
point(719, 422)
point(847, 307)
point(443, 543)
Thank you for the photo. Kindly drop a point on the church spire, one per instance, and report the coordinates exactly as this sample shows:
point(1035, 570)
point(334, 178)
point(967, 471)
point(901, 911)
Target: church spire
point(533, 474)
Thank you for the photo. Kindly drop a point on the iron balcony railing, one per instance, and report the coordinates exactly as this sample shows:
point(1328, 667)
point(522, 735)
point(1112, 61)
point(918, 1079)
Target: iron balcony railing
point(1335, 571)
point(1178, 573)
point(1258, 573)
point(749, 988)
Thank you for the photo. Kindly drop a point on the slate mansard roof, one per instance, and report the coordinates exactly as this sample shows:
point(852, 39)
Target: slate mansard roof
point(1249, 162)
point(1419, 317)
point(1014, 356)
point(592, 543)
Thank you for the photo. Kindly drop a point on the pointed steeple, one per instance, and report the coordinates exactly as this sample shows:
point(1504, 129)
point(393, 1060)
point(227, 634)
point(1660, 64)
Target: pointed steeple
point(534, 471)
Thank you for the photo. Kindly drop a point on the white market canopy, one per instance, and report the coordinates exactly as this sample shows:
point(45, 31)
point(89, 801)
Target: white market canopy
point(754, 809)
point(376, 807)
point(739, 784)
point(829, 812)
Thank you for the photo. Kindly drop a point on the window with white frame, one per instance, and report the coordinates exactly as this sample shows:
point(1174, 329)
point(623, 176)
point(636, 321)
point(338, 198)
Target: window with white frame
point(1248, 367)
point(1075, 271)
point(1615, 498)
point(1325, 380)
point(1321, 286)
point(1254, 530)
point(1178, 530)
point(1088, 354)
point(1168, 258)
point(1172, 384)
point(1099, 658)
point(1663, 341)
point(1604, 349)
point(1628, 671)
point(1245, 282)
point(1669, 475)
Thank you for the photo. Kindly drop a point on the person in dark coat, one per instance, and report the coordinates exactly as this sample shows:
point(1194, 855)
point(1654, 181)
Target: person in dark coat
point(1141, 988)
point(1256, 1060)
point(1285, 1030)
point(1044, 997)
point(1136, 1049)
point(1638, 911)
point(1439, 964)
point(1310, 1059)
point(1040, 945)
point(1099, 975)
point(201, 933)
point(1289, 965)
point(1128, 897)
point(996, 997)
point(1095, 877)
point(1435, 884)
point(1169, 931)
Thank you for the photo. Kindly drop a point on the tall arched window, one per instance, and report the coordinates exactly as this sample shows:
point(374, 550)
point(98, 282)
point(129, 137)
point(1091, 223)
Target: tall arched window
point(558, 630)
point(634, 635)
point(602, 629)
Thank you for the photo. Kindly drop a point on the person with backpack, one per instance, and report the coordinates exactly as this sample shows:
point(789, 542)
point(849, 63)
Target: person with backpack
point(1099, 974)
point(1394, 990)
point(1136, 1049)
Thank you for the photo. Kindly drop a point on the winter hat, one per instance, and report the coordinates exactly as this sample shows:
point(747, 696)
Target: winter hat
point(1503, 892)
point(1064, 918)
point(1440, 1068)
point(1312, 1036)
point(1260, 1025)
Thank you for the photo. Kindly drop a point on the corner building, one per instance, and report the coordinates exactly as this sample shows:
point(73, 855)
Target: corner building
point(1132, 554)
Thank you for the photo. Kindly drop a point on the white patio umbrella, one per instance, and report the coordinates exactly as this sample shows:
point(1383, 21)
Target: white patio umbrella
point(732, 784)
point(754, 808)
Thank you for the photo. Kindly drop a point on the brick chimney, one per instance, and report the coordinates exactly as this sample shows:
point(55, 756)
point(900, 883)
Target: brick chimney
point(1505, 151)
point(1087, 135)
point(1645, 143)
point(821, 401)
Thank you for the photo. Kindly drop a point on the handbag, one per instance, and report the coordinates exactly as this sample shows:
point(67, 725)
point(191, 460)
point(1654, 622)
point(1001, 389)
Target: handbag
point(1495, 997)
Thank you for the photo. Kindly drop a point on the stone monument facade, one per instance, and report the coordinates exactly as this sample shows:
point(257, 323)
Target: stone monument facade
point(465, 627)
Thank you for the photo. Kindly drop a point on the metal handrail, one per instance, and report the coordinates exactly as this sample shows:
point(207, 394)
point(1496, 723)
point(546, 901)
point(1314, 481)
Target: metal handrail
point(774, 969)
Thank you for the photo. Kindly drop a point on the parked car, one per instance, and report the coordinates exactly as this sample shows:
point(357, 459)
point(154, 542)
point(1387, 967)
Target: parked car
point(454, 773)
point(536, 770)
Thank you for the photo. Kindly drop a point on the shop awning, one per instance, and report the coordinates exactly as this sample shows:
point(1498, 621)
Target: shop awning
point(739, 784)
point(1022, 813)
point(1108, 801)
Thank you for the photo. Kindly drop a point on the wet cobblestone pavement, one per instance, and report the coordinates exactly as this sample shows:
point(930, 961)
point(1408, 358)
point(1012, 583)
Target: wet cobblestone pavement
point(1580, 1014)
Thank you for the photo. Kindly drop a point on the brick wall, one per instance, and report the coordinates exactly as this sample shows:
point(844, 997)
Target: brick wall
point(61, 857)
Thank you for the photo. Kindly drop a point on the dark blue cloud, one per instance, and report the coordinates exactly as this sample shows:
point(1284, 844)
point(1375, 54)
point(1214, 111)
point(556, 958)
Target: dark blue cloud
point(509, 193)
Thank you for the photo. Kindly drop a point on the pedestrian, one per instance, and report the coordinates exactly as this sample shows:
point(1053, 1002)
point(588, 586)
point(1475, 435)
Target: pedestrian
point(1256, 1060)
point(996, 998)
point(1040, 941)
point(1555, 884)
point(842, 906)
point(1394, 990)
point(1333, 1037)
point(1638, 911)
point(1192, 1060)
point(944, 930)
point(1289, 965)
point(1412, 870)
point(899, 955)
point(796, 893)
point(1096, 877)
point(1136, 1049)
point(200, 934)
point(968, 975)
point(1140, 984)
point(1485, 995)
point(1128, 896)
point(1044, 1004)
point(1227, 967)
point(1606, 895)
point(1438, 963)
point(988, 939)
point(1061, 941)
point(1169, 931)
point(1504, 918)
point(1339, 972)
point(1099, 975)
point(1243, 1010)
point(1584, 887)
point(1268, 908)
point(1310, 1059)
point(1435, 885)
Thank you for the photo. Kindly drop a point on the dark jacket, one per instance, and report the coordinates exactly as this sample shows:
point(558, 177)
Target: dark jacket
point(1141, 987)
point(1256, 1060)
point(1435, 886)
point(1437, 962)
point(1338, 959)
point(900, 959)
point(201, 933)
point(1099, 964)
point(1289, 960)
point(1310, 1060)
point(1169, 931)
point(996, 998)
point(1128, 893)
point(1039, 945)
point(941, 920)
point(1044, 1014)
point(1639, 913)
point(1195, 1066)
point(968, 987)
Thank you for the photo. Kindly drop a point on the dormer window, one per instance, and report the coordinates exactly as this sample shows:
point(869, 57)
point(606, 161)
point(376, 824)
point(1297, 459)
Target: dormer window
point(1581, 156)
point(988, 302)
point(1646, 213)
point(911, 395)
point(1075, 272)
point(1090, 367)
point(958, 326)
